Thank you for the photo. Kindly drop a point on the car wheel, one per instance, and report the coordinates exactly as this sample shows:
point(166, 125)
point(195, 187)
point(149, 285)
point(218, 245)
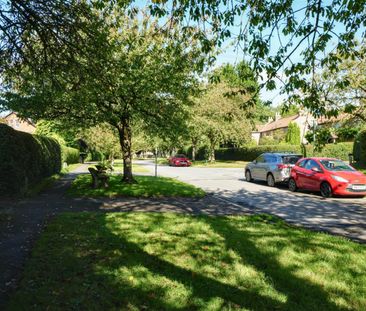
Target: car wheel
point(292, 185)
point(248, 176)
point(326, 190)
point(270, 180)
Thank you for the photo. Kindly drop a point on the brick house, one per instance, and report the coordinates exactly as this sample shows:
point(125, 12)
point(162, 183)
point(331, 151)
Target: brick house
point(24, 125)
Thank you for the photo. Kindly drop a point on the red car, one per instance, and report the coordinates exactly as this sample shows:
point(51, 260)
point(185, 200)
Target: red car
point(179, 160)
point(329, 176)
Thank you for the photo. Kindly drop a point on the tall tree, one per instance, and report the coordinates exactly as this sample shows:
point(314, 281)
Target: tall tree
point(144, 76)
point(288, 41)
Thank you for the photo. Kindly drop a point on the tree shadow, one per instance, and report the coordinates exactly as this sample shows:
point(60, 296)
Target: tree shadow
point(301, 293)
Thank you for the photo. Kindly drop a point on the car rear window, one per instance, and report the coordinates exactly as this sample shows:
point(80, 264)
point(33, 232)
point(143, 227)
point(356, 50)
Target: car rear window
point(291, 159)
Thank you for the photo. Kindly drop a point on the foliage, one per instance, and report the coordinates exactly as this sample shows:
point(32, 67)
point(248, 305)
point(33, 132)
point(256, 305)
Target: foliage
point(25, 159)
point(268, 140)
point(286, 42)
point(293, 134)
point(346, 133)
point(69, 155)
point(64, 133)
point(359, 149)
point(322, 137)
point(338, 150)
point(102, 138)
point(147, 186)
point(165, 261)
point(112, 82)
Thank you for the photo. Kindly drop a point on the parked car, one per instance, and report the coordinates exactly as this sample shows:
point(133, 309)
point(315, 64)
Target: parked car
point(329, 176)
point(179, 160)
point(271, 167)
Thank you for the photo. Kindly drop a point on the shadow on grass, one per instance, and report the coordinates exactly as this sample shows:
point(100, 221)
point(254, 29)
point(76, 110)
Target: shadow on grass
point(99, 266)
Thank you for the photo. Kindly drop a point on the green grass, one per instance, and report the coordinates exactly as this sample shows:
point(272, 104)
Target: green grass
point(146, 186)
point(220, 164)
point(166, 261)
point(136, 168)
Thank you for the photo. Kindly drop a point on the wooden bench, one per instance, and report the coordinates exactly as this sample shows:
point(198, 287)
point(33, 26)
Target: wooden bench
point(99, 178)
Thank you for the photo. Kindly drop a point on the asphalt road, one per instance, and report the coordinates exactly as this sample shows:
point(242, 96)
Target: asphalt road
point(344, 216)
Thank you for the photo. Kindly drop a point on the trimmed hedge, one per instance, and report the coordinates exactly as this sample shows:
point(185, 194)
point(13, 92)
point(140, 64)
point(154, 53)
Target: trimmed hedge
point(249, 153)
point(359, 149)
point(339, 151)
point(70, 155)
point(25, 159)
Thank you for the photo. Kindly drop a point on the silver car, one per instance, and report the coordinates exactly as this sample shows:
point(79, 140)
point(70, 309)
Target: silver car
point(271, 167)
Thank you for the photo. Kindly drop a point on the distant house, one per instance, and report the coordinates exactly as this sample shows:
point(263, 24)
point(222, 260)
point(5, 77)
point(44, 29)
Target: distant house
point(280, 126)
point(24, 125)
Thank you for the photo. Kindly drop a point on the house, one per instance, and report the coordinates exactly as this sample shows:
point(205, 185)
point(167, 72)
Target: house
point(279, 126)
point(24, 125)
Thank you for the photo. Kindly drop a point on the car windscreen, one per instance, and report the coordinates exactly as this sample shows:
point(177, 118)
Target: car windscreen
point(291, 159)
point(336, 165)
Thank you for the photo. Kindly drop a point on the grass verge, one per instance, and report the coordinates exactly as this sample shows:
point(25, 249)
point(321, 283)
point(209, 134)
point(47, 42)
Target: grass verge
point(220, 164)
point(166, 261)
point(146, 186)
point(136, 168)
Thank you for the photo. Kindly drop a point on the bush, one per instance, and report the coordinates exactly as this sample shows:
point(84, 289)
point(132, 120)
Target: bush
point(70, 155)
point(359, 149)
point(250, 153)
point(339, 151)
point(293, 134)
point(25, 159)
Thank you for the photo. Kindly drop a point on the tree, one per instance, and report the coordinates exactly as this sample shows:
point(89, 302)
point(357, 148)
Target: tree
point(286, 40)
point(144, 76)
point(293, 134)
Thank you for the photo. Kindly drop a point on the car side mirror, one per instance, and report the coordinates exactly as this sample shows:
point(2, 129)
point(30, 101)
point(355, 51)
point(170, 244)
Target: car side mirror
point(315, 169)
point(255, 161)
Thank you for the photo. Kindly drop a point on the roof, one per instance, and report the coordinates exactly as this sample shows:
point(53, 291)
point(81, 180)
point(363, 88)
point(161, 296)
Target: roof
point(342, 116)
point(280, 123)
point(26, 119)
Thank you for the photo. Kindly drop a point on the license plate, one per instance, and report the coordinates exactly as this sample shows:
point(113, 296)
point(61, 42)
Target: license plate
point(359, 187)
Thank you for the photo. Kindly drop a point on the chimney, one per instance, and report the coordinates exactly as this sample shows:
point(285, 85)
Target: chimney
point(270, 119)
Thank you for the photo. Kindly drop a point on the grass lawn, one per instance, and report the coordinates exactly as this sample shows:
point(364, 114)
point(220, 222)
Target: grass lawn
point(221, 164)
point(136, 168)
point(147, 186)
point(166, 261)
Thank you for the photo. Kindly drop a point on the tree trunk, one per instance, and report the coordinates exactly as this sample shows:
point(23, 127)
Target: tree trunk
point(194, 149)
point(125, 138)
point(211, 156)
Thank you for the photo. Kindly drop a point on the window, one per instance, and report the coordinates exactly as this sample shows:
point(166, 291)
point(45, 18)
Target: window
point(269, 158)
point(312, 164)
point(291, 159)
point(302, 163)
point(260, 159)
point(336, 165)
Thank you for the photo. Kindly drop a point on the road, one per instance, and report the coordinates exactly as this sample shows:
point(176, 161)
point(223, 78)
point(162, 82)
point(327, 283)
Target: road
point(343, 216)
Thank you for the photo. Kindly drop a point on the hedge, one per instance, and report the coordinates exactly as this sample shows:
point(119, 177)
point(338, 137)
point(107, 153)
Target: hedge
point(25, 159)
point(359, 149)
point(70, 155)
point(339, 151)
point(249, 153)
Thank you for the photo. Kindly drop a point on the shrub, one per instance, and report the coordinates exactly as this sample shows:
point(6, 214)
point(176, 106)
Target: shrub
point(359, 149)
point(250, 153)
point(70, 155)
point(25, 159)
point(293, 134)
point(339, 151)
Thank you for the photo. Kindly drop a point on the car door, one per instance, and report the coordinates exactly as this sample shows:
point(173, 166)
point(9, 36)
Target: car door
point(311, 177)
point(262, 168)
point(256, 167)
point(300, 173)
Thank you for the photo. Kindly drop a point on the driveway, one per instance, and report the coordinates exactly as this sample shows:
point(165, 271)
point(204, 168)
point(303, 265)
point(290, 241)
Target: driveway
point(343, 216)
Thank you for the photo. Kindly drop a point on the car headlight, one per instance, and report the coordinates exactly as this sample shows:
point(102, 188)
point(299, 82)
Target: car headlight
point(338, 178)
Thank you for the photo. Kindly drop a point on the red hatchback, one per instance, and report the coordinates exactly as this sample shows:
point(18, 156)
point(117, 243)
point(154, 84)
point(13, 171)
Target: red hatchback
point(329, 176)
point(179, 160)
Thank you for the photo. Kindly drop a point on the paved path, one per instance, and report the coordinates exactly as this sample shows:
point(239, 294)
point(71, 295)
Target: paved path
point(343, 216)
